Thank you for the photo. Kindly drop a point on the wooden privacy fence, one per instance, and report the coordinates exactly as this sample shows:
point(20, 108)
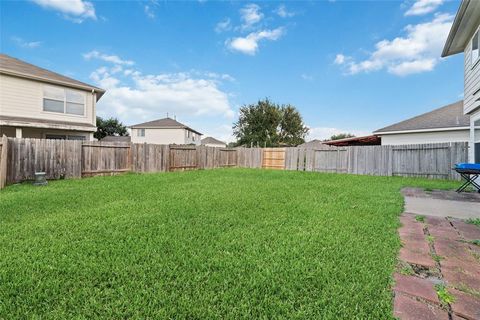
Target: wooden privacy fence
point(21, 158)
point(432, 161)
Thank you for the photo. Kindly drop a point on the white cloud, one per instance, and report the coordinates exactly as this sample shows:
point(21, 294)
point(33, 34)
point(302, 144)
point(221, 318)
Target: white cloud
point(250, 15)
point(283, 12)
point(306, 77)
point(26, 44)
point(339, 59)
point(323, 133)
point(107, 58)
point(249, 44)
point(417, 52)
point(149, 8)
point(421, 7)
point(133, 96)
point(75, 10)
point(223, 25)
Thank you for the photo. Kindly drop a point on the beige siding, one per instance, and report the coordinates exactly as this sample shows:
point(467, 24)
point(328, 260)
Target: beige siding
point(426, 137)
point(215, 145)
point(160, 136)
point(472, 81)
point(24, 98)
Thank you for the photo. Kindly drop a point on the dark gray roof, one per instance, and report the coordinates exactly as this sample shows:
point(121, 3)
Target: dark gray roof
point(165, 123)
point(212, 141)
point(449, 116)
point(13, 66)
point(312, 144)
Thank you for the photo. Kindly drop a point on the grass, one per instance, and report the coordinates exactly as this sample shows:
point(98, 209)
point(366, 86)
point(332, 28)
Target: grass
point(219, 244)
point(444, 296)
point(475, 221)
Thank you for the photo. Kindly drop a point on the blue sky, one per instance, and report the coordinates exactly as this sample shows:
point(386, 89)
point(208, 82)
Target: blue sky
point(346, 65)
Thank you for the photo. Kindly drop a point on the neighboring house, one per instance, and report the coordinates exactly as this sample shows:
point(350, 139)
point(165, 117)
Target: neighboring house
point(312, 144)
point(464, 37)
point(117, 139)
point(371, 140)
point(38, 103)
point(445, 124)
point(212, 142)
point(164, 131)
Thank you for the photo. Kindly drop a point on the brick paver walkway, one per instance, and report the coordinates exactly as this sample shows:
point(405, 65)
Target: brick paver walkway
point(438, 276)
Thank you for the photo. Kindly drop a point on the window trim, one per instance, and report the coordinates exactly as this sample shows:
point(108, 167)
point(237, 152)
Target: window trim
point(477, 59)
point(141, 130)
point(84, 115)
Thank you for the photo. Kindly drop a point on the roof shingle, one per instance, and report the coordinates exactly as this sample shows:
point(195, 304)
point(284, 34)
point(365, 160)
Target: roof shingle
point(449, 116)
point(165, 123)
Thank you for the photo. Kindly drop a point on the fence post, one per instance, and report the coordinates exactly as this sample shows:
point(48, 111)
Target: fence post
point(3, 161)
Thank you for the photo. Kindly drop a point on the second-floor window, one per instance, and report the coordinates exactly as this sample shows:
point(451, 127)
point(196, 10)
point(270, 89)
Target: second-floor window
point(141, 132)
point(63, 101)
point(475, 46)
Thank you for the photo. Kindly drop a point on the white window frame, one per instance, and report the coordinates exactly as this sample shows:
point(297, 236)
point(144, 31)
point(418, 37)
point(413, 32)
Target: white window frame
point(141, 132)
point(44, 96)
point(474, 59)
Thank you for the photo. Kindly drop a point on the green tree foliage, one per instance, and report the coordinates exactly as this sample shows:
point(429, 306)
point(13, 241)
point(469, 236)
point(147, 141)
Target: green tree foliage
point(109, 127)
point(341, 136)
point(268, 124)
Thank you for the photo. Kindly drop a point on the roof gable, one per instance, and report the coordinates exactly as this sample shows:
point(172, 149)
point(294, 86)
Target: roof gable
point(165, 123)
point(19, 68)
point(449, 116)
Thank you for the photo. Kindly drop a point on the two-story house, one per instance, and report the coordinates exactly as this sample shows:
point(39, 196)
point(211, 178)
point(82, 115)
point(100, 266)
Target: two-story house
point(464, 37)
point(38, 103)
point(164, 131)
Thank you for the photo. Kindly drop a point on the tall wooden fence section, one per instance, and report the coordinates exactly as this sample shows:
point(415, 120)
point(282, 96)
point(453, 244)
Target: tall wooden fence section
point(3, 161)
point(433, 161)
point(21, 158)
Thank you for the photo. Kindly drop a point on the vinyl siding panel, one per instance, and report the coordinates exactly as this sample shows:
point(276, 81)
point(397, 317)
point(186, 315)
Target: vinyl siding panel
point(23, 98)
point(426, 137)
point(160, 136)
point(471, 82)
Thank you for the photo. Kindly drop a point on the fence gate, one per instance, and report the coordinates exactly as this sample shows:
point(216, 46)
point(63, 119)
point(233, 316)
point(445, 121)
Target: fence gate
point(183, 158)
point(331, 160)
point(274, 158)
point(228, 158)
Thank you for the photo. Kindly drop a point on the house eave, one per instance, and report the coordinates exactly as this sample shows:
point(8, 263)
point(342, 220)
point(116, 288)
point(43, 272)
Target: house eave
point(462, 28)
point(33, 123)
point(380, 133)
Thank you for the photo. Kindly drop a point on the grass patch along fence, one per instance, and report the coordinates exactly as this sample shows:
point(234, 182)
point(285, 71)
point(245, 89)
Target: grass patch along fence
point(64, 159)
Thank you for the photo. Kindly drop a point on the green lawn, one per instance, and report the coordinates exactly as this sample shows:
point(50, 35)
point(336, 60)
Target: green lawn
point(232, 243)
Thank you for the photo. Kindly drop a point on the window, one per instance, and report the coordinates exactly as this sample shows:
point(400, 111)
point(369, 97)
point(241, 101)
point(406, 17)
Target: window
point(61, 100)
point(141, 132)
point(188, 133)
point(474, 56)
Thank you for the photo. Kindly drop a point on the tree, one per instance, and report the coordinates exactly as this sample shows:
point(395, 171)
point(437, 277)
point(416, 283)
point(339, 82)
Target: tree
point(268, 124)
point(109, 127)
point(341, 136)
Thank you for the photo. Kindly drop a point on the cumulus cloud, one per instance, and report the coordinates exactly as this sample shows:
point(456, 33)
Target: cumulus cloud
point(134, 96)
point(421, 7)
point(75, 10)
point(324, 133)
point(107, 58)
point(250, 15)
point(222, 132)
point(26, 44)
point(282, 12)
point(224, 25)
point(418, 51)
point(249, 44)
